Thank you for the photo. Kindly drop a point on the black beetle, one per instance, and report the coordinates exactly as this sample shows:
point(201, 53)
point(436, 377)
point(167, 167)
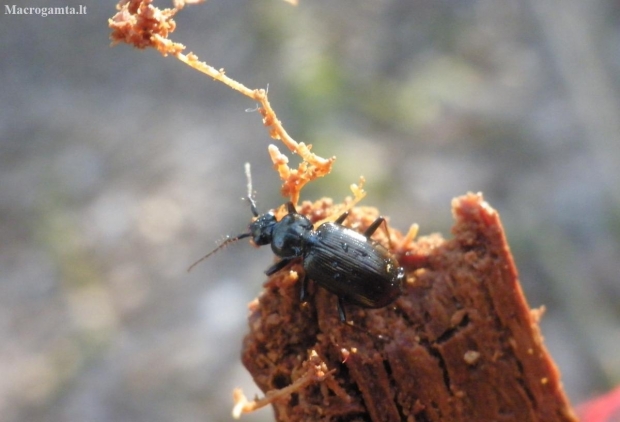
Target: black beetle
point(349, 264)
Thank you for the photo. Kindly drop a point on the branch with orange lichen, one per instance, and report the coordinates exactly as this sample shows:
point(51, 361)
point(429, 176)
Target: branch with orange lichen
point(315, 371)
point(143, 25)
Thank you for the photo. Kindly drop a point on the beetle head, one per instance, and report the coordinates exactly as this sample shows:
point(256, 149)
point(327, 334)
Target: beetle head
point(261, 229)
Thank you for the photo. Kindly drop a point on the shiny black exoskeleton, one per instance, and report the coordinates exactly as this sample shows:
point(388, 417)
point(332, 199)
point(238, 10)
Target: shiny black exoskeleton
point(349, 264)
point(343, 261)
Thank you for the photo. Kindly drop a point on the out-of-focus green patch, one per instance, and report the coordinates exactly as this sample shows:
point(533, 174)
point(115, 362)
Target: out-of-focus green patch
point(421, 99)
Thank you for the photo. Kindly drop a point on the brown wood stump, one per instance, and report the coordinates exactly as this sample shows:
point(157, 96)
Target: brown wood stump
point(461, 344)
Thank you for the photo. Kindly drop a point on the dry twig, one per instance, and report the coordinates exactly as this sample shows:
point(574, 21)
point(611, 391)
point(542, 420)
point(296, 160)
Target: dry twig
point(143, 25)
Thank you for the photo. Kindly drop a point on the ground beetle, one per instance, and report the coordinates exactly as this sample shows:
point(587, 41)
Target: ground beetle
point(349, 264)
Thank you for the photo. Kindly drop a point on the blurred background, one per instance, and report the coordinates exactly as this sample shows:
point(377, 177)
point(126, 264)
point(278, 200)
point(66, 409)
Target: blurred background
point(119, 168)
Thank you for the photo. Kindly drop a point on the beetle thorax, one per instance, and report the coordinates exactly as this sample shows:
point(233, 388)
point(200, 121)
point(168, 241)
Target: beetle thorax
point(290, 234)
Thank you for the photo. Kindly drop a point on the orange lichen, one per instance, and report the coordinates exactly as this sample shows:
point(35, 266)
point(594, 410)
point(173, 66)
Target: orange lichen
point(315, 370)
point(143, 25)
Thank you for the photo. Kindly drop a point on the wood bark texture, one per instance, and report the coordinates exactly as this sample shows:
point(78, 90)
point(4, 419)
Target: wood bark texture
point(460, 344)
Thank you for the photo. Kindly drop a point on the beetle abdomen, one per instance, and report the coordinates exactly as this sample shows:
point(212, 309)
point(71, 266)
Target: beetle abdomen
point(349, 265)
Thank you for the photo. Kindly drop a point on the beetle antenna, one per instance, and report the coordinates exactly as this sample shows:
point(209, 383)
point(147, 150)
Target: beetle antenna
point(248, 175)
point(222, 245)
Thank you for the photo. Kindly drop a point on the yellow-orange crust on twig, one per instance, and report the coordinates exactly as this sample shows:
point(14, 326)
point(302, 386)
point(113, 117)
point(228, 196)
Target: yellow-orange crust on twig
point(143, 25)
point(314, 370)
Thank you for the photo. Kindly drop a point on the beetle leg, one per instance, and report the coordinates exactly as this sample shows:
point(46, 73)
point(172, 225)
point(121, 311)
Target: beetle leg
point(341, 313)
point(343, 217)
point(303, 291)
point(375, 225)
point(278, 266)
point(291, 208)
